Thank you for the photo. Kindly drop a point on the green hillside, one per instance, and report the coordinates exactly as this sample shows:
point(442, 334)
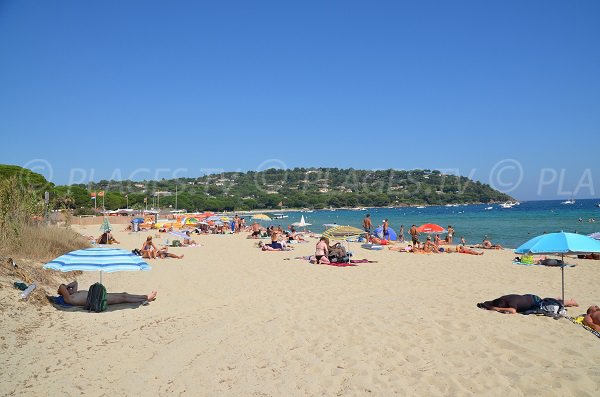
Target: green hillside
point(296, 188)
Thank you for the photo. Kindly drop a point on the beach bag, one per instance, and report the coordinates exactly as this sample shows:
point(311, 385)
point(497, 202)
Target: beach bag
point(176, 243)
point(527, 259)
point(552, 307)
point(96, 299)
point(549, 307)
point(137, 252)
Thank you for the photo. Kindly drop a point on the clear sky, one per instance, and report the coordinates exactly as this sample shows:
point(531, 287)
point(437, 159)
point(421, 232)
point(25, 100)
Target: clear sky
point(507, 92)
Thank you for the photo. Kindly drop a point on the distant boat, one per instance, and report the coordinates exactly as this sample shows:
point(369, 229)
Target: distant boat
point(279, 216)
point(420, 206)
point(569, 202)
point(508, 204)
point(488, 208)
point(598, 205)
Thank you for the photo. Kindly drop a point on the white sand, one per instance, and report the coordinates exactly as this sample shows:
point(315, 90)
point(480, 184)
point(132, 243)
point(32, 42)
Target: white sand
point(234, 321)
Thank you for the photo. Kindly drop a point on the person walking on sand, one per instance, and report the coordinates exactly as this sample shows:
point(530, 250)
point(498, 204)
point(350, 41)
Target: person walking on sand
point(73, 296)
point(401, 234)
point(414, 233)
point(367, 225)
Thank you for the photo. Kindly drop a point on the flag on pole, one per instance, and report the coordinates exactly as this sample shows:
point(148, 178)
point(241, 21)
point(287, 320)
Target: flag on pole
point(93, 196)
point(145, 199)
point(101, 193)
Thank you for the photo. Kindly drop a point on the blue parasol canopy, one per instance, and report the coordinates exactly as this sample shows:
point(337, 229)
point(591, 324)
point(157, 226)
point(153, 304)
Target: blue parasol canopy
point(98, 259)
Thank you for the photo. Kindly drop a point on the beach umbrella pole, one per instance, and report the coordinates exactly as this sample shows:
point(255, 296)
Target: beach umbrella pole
point(562, 271)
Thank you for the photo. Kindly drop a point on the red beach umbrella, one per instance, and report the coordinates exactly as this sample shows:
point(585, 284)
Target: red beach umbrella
point(431, 228)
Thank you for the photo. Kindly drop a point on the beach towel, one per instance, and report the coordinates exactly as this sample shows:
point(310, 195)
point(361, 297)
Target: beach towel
point(59, 301)
point(540, 264)
point(579, 320)
point(338, 264)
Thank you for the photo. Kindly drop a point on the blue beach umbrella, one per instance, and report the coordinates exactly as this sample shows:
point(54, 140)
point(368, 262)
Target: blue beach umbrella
point(391, 233)
point(98, 259)
point(560, 243)
point(138, 220)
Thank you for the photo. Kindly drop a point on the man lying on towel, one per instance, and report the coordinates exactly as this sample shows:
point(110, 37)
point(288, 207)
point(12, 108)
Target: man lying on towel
point(592, 318)
point(518, 303)
point(74, 297)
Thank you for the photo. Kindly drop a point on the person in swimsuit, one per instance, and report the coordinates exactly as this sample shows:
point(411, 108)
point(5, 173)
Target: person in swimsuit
point(367, 225)
point(464, 250)
point(384, 229)
point(322, 251)
point(255, 231)
point(107, 238)
point(414, 233)
point(164, 253)
point(401, 234)
point(149, 249)
point(450, 234)
point(73, 296)
point(592, 318)
point(513, 303)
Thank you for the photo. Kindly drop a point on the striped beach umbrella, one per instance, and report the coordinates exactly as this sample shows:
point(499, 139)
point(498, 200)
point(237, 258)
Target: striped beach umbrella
point(343, 232)
point(98, 259)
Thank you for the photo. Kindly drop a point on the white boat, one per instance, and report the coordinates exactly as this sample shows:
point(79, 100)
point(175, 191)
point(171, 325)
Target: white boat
point(488, 208)
point(508, 204)
point(420, 207)
point(569, 202)
point(279, 216)
point(598, 205)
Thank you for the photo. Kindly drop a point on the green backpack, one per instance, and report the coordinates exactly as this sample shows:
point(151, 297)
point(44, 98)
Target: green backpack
point(96, 299)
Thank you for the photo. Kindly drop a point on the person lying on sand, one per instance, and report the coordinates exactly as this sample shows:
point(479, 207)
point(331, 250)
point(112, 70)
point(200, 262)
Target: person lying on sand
point(464, 250)
point(272, 247)
point(513, 303)
point(74, 297)
point(164, 253)
point(592, 318)
point(487, 244)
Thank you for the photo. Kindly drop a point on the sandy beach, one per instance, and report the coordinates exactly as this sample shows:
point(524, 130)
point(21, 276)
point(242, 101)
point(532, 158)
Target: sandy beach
point(231, 320)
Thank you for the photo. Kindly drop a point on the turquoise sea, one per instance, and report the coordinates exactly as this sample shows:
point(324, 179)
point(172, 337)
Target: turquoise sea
point(509, 227)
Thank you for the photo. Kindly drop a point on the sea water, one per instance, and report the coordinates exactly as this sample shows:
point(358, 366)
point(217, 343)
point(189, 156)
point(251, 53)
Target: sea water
point(509, 227)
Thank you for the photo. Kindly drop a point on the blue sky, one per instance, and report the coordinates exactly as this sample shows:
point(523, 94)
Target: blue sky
point(506, 92)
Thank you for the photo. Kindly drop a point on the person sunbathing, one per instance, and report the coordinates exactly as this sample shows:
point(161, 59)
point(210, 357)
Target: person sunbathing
point(75, 297)
point(255, 231)
point(513, 303)
point(164, 253)
point(149, 249)
point(464, 250)
point(322, 251)
point(487, 244)
point(188, 239)
point(592, 318)
point(106, 238)
point(408, 248)
point(430, 247)
point(272, 247)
